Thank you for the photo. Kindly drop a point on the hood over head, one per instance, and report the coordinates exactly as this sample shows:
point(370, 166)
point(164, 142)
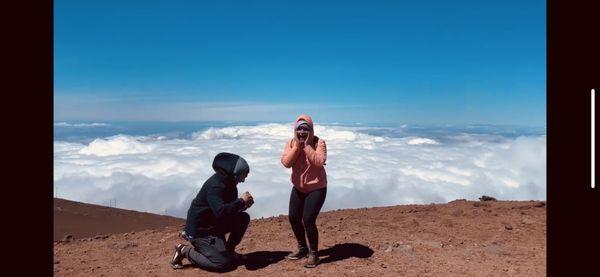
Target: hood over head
point(230, 165)
point(304, 119)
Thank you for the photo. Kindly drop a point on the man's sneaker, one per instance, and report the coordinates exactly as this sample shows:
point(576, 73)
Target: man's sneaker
point(178, 257)
point(184, 236)
point(313, 260)
point(302, 252)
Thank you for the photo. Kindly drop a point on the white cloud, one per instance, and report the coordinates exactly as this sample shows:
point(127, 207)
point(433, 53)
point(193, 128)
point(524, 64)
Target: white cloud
point(116, 145)
point(161, 175)
point(417, 141)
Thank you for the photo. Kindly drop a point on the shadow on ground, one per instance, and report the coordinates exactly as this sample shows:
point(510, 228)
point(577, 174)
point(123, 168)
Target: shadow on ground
point(344, 251)
point(260, 259)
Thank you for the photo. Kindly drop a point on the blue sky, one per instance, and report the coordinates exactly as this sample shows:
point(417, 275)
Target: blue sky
point(424, 62)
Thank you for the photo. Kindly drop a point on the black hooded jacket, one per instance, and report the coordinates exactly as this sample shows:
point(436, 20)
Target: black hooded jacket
point(218, 197)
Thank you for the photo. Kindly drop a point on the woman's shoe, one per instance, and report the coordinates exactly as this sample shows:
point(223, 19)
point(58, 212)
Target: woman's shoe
point(300, 254)
point(313, 260)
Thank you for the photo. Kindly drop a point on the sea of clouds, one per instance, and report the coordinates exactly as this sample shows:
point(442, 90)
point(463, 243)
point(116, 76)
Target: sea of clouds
point(366, 167)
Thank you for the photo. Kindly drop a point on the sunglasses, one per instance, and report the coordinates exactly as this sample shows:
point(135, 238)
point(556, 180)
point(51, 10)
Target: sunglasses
point(302, 128)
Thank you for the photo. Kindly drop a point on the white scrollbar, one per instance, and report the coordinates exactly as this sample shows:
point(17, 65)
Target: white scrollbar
point(593, 138)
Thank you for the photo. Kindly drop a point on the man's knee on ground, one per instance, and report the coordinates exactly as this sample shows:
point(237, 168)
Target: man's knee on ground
point(217, 263)
point(222, 264)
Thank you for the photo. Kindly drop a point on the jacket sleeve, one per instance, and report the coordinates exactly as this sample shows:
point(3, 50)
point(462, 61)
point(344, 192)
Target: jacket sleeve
point(288, 158)
point(191, 222)
point(218, 207)
point(317, 157)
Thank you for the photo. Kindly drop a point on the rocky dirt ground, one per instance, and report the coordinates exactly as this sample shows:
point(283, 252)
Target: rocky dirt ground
point(461, 238)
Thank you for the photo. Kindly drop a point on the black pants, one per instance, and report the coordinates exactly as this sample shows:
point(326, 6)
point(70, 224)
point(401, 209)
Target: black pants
point(212, 251)
point(304, 209)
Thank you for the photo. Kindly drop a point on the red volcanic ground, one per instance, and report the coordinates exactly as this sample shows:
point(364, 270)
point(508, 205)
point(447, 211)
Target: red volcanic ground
point(82, 220)
point(491, 238)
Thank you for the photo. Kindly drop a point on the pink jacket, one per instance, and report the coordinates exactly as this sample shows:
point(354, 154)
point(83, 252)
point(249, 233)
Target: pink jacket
point(308, 171)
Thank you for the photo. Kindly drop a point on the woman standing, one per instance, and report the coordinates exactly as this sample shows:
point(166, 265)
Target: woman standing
point(306, 155)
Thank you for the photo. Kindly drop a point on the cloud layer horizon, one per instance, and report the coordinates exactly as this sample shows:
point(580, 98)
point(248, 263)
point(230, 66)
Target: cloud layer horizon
point(162, 175)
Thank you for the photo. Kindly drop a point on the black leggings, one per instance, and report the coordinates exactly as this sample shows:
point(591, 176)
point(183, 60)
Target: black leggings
point(304, 209)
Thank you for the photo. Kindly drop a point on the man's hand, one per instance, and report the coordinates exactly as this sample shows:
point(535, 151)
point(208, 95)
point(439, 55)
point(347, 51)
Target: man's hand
point(246, 196)
point(249, 204)
point(248, 199)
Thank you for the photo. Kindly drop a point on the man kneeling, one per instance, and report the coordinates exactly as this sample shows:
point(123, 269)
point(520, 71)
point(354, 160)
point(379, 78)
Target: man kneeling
point(214, 212)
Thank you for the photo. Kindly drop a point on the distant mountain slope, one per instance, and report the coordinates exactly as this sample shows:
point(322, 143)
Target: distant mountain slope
point(81, 220)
